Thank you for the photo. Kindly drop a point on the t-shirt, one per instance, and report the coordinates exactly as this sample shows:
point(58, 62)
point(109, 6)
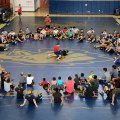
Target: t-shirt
point(82, 80)
point(56, 48)
point(89, 91)
point(47, 21)
point(57, 97)
point(106, 76)
point(64, 30)
point(60, 82)
point(69, 86)
point(43, 83)
point(91, 77)
point(36, 36)
point(19, 92)
point(22, 79)
point(20, 9)
point(117, 83)
point(30, 98)
point(54, 82)
point(4, 33)
point(70, 33)
point(109, 94)
point(7, 86)
point(43, 32)
point(27, 31)
point(75, 30)
point(30, 80)
point(46, 29)
point(95, 84)
point(77, 81)
point(55, 31)
point(114, 73)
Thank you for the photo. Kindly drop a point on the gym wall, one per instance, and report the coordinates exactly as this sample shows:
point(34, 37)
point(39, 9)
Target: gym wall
point(27, 5)
point(83, 6)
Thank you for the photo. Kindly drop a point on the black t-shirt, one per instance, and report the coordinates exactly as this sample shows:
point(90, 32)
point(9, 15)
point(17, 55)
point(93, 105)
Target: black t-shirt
point(57, 97)
point(19, 92)
point(0, 41)
point(77, 81)
point(64, 52)
point(117, 83)
point(89, 91)
point(95, 84)
point(2, 80)
point(30, 98)
point(109, 94)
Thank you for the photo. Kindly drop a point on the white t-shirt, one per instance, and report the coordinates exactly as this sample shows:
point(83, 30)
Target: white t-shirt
point(4, 33)
point(75, 30)
point(30, 80)
point(12, 33)
point(36, 36)
point(43, 32)
point(55, 31)
point(7, 86)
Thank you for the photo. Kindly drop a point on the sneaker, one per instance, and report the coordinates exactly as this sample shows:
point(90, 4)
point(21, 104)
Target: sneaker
point(5, 49)
point(58, 59)
point(94, 46)
point(101, 93)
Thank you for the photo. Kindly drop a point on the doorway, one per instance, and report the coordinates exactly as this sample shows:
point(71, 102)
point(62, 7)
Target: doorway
point(44, 7)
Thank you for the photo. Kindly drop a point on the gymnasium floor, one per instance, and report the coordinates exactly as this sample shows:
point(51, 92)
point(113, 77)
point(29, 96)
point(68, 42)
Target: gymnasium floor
point(31, 57)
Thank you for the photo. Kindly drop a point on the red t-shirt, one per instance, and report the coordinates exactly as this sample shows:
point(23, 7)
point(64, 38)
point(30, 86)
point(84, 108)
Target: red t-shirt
point(47, 21)
point(56, 48)
point(20, 9)
point(46, 29)
point(64, 30)
point(43, 83)
point(69, 86)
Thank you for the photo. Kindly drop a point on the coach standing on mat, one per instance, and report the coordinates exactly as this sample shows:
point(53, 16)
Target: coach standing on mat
point(47, 21)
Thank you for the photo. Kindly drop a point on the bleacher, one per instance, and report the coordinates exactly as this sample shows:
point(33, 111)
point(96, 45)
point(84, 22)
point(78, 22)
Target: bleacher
point(5, 15)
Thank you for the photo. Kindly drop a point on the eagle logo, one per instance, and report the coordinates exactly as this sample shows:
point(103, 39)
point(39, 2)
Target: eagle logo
point(35, 58)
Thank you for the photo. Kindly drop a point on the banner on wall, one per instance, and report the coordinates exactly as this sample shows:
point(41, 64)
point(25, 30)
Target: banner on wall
point(28, 2)
point(83, 0)
point(27, 5)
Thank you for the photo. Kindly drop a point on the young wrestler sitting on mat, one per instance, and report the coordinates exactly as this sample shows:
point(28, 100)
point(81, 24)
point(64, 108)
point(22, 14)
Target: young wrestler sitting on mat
point(57, 97)
point(4, 47)
point(58, 53)
point(116, 60)
point(45, 84)
point(69, 86)
point(29, 98)
point(116, 91)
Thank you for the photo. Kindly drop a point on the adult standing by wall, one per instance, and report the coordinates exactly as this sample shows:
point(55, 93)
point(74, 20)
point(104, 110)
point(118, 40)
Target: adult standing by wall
point(19, 10)
point(47, 21)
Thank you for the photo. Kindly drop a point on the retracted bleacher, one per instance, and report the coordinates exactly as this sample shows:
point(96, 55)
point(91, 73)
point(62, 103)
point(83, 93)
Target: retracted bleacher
point(4, 15)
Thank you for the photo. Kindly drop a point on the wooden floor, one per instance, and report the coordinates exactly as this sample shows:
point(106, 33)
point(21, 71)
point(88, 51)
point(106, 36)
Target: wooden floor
point(44, 12)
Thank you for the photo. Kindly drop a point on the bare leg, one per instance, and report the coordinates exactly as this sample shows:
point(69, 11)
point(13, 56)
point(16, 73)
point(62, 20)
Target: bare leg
point(113, 99)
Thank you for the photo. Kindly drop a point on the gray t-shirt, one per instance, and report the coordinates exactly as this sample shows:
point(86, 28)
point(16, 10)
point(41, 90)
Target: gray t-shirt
point(114, 73)
point(106, 76)
point(22, 79)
